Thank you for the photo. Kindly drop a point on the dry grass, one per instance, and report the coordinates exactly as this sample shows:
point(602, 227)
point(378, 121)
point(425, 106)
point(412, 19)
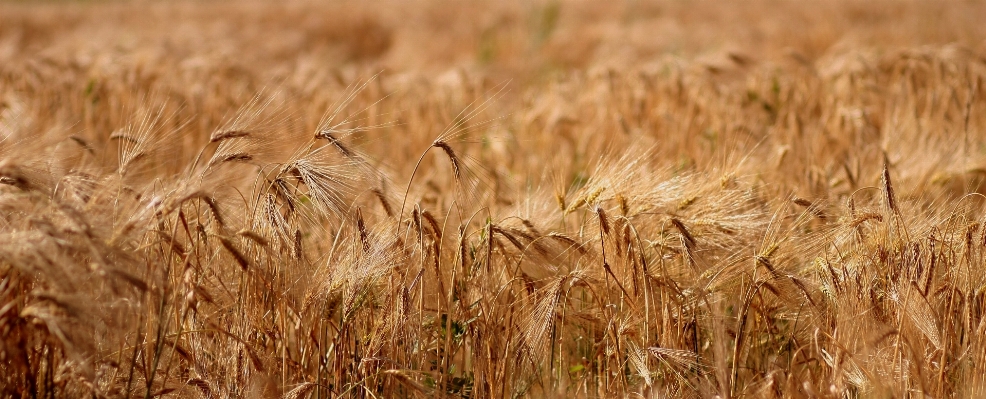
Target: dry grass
point(753, 199)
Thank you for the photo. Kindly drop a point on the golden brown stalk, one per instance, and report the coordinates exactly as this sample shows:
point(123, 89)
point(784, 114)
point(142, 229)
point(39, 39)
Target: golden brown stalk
point(82, 143)
point(803, 288)
point(237, 255)
point(865, 217)
point(122, 135)
point(451, 156)
point(435, 227)
point(383, 202)
point(253, 236)
point(530, 227)
point(227, 134)
point(624, 205)
point(603, 222)
point(510, 237)
point(801, 201)
point(888, 188)
point(364, 235)
point(234, 157)
point(298, 251)
point(211, 202)
point(688, 238)
point(283, 192)
point(567, 240)
point(332, 139)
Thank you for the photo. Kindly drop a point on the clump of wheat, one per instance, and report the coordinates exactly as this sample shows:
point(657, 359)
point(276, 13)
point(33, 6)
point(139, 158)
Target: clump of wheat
point(740, 226)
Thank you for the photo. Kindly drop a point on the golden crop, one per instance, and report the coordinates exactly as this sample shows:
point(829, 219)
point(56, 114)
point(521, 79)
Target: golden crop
point(492, 199)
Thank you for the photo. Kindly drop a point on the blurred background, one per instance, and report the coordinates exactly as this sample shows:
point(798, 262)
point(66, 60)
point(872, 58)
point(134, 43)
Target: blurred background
point(522, 40)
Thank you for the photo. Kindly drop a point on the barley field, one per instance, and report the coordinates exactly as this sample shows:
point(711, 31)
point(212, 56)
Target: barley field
point(493, 199)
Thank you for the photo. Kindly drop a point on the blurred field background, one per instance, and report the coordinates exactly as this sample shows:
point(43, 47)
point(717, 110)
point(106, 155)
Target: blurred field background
point(492, 199)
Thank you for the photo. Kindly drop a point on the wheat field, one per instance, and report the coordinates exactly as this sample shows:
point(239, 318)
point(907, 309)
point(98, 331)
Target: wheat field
point(491, 199)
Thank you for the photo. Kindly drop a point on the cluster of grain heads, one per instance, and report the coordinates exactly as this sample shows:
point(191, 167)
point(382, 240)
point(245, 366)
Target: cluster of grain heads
point(772, 239)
